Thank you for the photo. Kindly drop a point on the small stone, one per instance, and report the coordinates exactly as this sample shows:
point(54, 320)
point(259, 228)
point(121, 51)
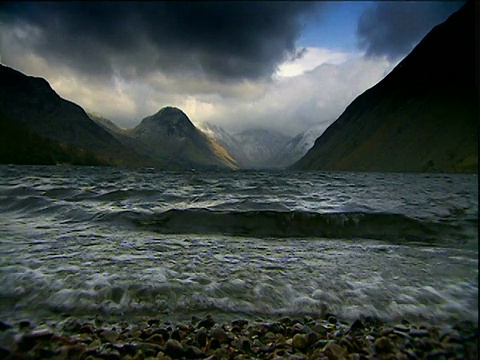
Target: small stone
point(149, 349)
point(386, 331)
point(240, 323)
point(25, 324)
point(87, 329)
point(320, 329)
point(4, 352)
point(183, 327)
point(193, 352)
point(423, 344)
point(207, 323)
point(72, 325)
point(109, 336)
point(332, 319)
point(402, 334)
point(357, 325)
point(383, 345)
point(173, 349)
point(299, 341)
point(219, 334)
point(109, 356)
point(419, 333)
point(334, 351)
point(153, 322)
point(5, 326)
point(201, 338)
point(402, 328)
point(347, 344)
point(156, 339)
point(286, 321)
point(214, 344)
point(29, 340)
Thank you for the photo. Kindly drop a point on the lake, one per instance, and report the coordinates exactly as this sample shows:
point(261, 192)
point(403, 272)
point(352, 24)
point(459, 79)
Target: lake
point(136, 243)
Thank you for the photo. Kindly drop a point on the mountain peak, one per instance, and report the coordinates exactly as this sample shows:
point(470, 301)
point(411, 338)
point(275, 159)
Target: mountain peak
point(170, 119)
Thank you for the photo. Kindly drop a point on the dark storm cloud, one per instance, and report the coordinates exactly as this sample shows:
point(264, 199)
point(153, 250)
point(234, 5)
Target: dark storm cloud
point(226, 40)
point(393, 28)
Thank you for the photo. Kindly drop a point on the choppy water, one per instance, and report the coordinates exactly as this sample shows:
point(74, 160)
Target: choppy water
point(139, 243)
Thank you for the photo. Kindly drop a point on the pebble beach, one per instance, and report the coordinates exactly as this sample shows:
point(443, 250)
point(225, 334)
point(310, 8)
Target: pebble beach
point(327, 338)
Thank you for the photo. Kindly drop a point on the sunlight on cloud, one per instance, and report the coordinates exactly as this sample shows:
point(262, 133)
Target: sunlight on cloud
point(312, 58)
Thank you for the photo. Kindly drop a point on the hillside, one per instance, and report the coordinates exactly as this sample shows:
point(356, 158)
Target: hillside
point(422, 117)
point(170, 138)
point(30, 108)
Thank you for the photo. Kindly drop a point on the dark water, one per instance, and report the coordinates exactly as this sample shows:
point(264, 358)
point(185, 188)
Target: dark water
point(139, 243)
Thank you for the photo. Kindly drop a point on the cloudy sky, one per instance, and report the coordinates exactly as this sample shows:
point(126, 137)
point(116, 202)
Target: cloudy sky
point(281, 65)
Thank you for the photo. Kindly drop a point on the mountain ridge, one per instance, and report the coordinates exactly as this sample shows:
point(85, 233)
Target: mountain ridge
point(422, 117)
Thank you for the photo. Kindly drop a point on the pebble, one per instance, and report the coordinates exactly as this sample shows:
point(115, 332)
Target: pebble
point(289, 338)
point(334, 351)
point(173, 348)
point(109, 336)
point(5, 326)
point(299, 341)
point(383, 345)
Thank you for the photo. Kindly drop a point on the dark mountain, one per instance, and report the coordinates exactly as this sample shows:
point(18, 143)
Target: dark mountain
point(422, 117)
point(170, 138)
point(36, 115)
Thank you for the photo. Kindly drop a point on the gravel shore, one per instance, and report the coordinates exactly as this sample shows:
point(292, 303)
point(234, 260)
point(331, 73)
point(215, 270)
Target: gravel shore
point(204, 338)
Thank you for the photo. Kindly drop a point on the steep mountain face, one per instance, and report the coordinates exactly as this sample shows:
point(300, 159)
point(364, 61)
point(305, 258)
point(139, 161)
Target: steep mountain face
point(260, 146)
point(33, 111)
point(297, 147)
point(170, 138)
point(253, 148)
point(422, 117)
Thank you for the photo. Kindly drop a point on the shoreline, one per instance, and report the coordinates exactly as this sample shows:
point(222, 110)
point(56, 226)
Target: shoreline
point(288, 337)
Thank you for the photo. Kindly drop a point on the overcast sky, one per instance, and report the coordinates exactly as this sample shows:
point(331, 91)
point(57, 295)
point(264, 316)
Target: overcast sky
point(281, 65)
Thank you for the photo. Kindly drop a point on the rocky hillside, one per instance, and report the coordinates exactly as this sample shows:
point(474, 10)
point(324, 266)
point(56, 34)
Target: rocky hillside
point(170, 138)
point(422, 117)
point(297, 147)
point(33, 111)
point(253, 148)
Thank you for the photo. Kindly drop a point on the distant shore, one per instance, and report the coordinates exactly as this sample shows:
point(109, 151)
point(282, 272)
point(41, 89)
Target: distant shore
point(284, 338)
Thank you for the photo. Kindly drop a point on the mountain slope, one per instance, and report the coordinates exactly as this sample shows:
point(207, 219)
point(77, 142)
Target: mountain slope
point(170, 138)
point(297, 147)
point(421, 117)
point(30, 104)
point(256, 148)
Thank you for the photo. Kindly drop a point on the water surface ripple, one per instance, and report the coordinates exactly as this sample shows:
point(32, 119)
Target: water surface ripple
point(137, 243)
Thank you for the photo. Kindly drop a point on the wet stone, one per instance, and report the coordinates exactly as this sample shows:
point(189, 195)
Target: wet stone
point(201, 338)
point(109, 336)
point(173, 348)
point(299, 341)
point(25, 324)
point(214, 344)
point(156, 339)
point(207, 323)
point(402, 328)
point(356, 326)
point(419, 333)
point(193, 352)
point(5, 326)
point(383, 345)
point(153, 322)
point(219, 334)
point(334, 351)
point(4, 352)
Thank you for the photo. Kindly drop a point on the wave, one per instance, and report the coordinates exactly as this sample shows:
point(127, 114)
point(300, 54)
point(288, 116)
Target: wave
point(298, 224)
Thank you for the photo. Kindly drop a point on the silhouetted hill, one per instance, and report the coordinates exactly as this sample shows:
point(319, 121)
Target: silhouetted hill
point(32, 105)
point(422, 117)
